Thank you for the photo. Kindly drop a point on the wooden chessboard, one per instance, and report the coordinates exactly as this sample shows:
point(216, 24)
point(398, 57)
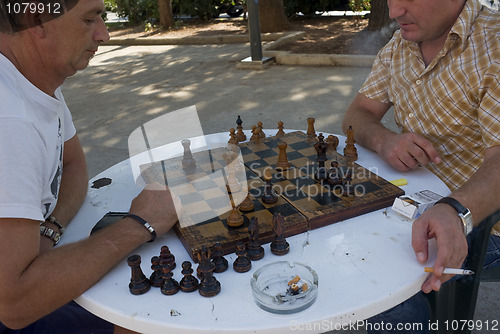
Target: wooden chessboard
point(304, 203)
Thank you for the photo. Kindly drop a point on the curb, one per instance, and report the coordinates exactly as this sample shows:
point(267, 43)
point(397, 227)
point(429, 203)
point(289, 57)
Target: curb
point(278, 39)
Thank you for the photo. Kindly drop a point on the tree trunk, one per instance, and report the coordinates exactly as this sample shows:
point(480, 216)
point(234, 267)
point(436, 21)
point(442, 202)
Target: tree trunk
point(272, 16)
point(379, 15)
point(166, 15)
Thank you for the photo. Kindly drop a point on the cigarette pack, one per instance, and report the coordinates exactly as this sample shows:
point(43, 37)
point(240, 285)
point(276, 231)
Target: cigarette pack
point(414, 205)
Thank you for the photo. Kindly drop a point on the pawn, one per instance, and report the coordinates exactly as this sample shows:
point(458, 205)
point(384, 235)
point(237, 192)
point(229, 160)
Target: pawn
point(255, 251)
point(240, 135)
point(169, 285)
point(235, 218)
point(188, 283)
point(157, 275)
point(261, 130)
point(242, 264)
point(279, 246)
point(269, 196)
point(247, 204)
point(218, 259)
point(280, 129)
point(255, 137)
point(139, 283)
point(232, 137)
point(334, 177)
point(167, 256)
point(350, 150)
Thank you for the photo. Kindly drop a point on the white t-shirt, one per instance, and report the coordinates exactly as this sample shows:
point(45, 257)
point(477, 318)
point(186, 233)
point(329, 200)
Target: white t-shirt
point(32, 128)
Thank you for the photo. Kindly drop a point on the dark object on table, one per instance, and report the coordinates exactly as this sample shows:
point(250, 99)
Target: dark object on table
point(157, 276)
point(279, 246)
point(242, 264)
point(188, 283)
point(218, 259)
point(209, 286)
point(169, 285)
point(255, 251)
point(139, 284)
point(105, 181)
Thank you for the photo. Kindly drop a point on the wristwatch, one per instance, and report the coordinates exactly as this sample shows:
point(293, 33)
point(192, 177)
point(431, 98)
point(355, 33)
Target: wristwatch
point(463, 213)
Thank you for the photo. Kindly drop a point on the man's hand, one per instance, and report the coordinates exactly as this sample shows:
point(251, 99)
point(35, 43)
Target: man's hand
point(158, 206)
point(442, 223)
point(407, 151)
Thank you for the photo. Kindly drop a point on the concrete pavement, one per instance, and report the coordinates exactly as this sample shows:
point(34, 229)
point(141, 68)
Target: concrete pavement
point(126, 86)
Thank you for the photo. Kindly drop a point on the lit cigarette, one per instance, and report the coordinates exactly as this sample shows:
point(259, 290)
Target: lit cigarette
point(451, 271)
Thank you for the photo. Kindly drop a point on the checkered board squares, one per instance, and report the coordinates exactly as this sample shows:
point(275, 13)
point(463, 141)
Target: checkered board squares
point(206, 203)
point(321, 204)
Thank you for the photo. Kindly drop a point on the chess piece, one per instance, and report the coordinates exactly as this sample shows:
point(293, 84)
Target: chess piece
point(247, 204)
point(235, 218)
point(188, 283)
point(240, 135)
point(269, 196)
point(167, 257)
point(255, 251)
point(242, 264)
point(280, 129)
point(209, 286)
point(334, 176)
point(232, 137)
point(233, 185)
point(348, 188)
point(139, 284)
point(261, 130)
point(279, 246)
point(310, 127)
point(218, 259)
point(321, 148)
point(169, 285)
point(333, 142)
point(157, 275)
point(283, 163)
point(188, 162)
point(350, 150)
point(255, 137)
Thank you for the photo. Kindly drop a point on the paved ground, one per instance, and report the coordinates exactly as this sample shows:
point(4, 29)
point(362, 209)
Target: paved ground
point(127, 86)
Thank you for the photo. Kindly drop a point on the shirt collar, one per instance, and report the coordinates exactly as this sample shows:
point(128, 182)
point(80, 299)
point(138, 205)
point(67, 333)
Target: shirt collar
point(463, 26)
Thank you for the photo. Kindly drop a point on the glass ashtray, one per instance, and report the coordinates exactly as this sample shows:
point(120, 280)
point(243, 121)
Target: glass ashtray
point(284, 288)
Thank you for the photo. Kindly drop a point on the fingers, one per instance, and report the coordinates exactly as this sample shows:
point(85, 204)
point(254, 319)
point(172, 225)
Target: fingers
point(409, 150)
point(442, 223)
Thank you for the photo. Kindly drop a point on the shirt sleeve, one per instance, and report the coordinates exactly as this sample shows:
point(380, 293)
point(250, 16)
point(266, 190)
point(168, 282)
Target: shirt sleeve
point(20, 170)
point(489, 108)
point(69, 127)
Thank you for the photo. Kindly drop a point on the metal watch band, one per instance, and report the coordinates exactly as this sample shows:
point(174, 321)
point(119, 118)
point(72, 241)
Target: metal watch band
point(462, 211)
point(53, 220)
point(144, 223)
point(50, 233)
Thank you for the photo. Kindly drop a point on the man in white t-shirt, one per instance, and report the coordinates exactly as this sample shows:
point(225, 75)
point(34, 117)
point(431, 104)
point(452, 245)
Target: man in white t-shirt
point(43, 176)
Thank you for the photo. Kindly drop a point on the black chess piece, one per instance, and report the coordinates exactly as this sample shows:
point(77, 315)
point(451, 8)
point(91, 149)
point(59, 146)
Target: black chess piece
point(167, 256)
point(157, 276)
point(209, 286)
point(321, 148)
point(242, 264)
point(279, 246)
point(240, 135)
point(334, 176)
point(169, 285)
point(139, 283)
point(188, 283)
point(255, 251)
point(269, 196)
point(218, 259)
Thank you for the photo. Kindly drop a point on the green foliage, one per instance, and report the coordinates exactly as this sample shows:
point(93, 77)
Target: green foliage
point(359, 5)
point(201, 9)
point(138, 11)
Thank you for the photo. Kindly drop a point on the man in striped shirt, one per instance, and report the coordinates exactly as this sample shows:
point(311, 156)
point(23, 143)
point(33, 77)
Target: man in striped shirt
point(441, 74)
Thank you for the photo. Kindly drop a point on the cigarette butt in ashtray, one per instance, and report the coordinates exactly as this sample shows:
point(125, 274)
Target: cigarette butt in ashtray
point(399, 182)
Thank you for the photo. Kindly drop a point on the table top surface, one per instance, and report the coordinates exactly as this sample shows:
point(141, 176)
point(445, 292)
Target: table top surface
point(365, 265)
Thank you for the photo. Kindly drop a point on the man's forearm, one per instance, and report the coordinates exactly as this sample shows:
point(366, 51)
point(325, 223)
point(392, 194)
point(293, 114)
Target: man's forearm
point(481, 192)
